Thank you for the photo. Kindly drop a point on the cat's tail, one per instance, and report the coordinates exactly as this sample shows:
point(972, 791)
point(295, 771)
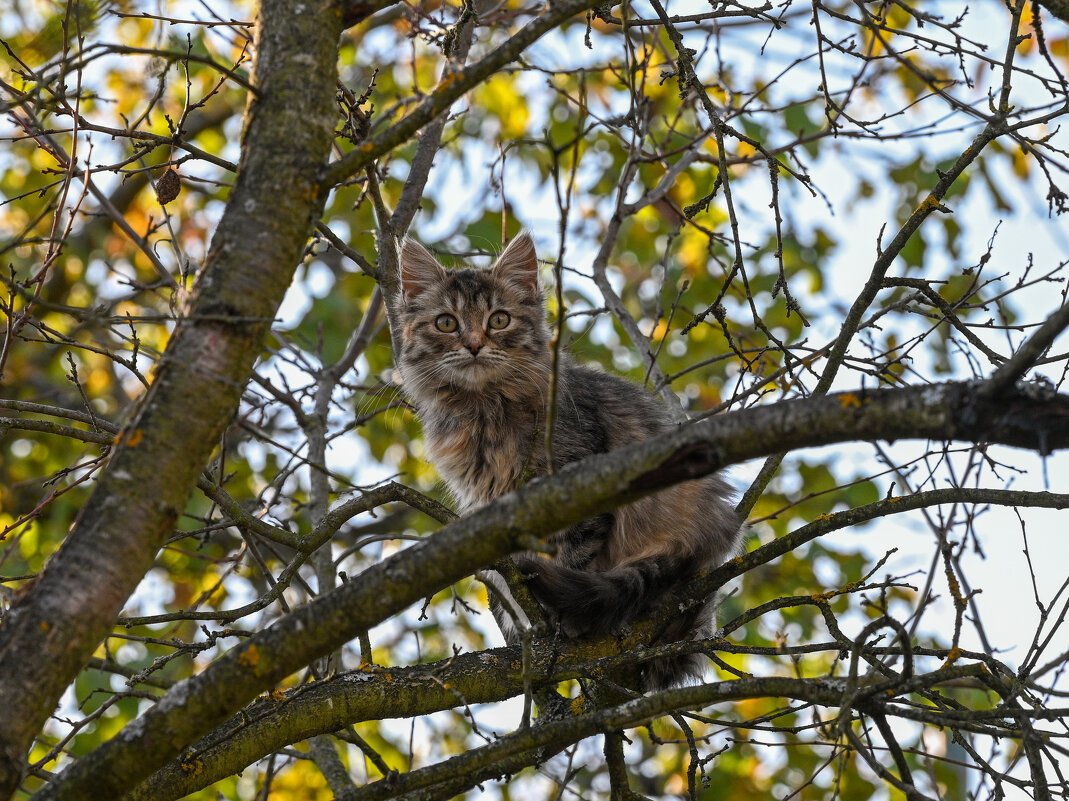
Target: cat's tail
point(595, 602)
point(592, 603)
point(694, 624)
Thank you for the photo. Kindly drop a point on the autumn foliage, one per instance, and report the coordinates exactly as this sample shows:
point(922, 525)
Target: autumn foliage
point(827, 235)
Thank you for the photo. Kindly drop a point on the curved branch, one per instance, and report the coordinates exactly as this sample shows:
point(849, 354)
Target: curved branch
point(578, 491)
point(267, 725)
point(1059, 8)
point(464, 80)
point(1028, 354)
point(528, 746)
point(58, 429)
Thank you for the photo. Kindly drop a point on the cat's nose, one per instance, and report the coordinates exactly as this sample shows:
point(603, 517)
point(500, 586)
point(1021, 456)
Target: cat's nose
point(474, 345)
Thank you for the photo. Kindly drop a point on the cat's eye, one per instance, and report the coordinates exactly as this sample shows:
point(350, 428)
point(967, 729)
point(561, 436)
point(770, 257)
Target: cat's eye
point(446, 323)
point(499, 320)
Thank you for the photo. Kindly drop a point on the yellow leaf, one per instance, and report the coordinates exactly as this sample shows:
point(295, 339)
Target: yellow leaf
point(499, 97)
point(849, 399)
point(1022, 163)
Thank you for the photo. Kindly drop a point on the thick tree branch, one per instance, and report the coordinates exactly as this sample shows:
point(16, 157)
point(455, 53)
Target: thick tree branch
point(489, 676)
point(267, 725)
point(578, 491)
point(528, 746)
point(482, 677)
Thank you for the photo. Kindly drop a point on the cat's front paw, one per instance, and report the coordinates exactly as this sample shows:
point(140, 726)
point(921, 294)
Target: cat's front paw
point(535, 575)
point(527, 565)
point(539, 580)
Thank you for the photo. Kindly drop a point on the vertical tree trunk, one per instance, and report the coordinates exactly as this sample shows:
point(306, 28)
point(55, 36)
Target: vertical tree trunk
point(275, 202)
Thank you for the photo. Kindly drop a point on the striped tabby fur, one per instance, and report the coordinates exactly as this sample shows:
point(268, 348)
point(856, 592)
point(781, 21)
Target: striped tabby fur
point(476, 364)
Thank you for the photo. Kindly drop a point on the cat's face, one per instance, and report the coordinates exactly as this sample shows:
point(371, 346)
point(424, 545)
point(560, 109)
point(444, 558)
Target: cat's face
point(471, 330)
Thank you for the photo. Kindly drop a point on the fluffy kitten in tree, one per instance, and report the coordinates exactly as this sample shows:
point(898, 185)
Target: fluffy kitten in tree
point(475, 361)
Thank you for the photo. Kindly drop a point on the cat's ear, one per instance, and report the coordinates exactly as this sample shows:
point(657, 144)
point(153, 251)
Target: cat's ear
point(419, 269)
point(518, 265)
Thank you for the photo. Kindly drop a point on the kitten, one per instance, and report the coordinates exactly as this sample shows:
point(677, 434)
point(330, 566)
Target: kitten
point(475, 361)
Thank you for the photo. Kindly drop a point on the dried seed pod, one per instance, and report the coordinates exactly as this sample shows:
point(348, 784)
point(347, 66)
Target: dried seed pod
point(168, 186)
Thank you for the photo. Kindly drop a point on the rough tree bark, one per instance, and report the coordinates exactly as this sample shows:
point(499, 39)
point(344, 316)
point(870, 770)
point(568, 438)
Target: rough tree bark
point(271, 723)
point(73, 605)
point(280, 190)
point(192, 708)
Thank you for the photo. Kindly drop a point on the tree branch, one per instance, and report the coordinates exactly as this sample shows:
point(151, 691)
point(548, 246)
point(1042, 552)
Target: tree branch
point(267, 725)
point(73, 604)
point(578, 491)
point(464, 80)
